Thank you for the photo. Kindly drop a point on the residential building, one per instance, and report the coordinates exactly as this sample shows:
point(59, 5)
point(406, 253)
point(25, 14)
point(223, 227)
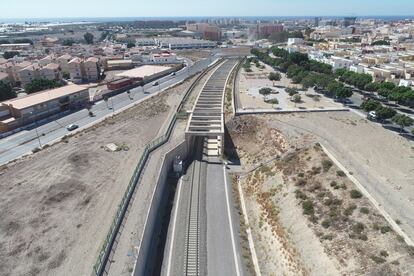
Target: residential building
point(295, 41)
point(266, 30)
point(63, 62)
point(212, 33)
point(184, 43)
point(75, 70)
point(21, 111)
point(91, 69)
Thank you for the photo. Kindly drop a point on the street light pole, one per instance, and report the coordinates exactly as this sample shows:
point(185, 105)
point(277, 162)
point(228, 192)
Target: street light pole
point(37, 133)
point(38, 138)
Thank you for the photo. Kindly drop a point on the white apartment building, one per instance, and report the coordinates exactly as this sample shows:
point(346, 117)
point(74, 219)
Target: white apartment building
point(163, 58)
point(295, 41)
point(339, 63)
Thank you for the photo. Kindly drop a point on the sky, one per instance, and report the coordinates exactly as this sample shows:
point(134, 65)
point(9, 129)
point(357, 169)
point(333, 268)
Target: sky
point(190, 8)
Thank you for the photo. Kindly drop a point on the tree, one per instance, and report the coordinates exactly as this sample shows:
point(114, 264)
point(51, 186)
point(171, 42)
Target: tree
point(380, 42)
point(68, 42)
point(130, 45)
point(6, 92)
point(315, 98)
point(402, 120)
point(265, 91)
point(384, 113)
point(88, 38)
point(333, 88)
point(296, 98)
point(66, 75)
point(343, 93)
point(10, 54)
point(275, 76)
point(370, 105)
point(291, 91)
point(41, 84)
point(23, 40)
point(373, 86)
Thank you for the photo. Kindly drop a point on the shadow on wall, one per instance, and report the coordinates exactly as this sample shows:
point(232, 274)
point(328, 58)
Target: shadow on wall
point(230, 150)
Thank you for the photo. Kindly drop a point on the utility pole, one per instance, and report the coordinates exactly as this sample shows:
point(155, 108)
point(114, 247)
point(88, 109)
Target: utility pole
point(37, 133)
point(112, 103)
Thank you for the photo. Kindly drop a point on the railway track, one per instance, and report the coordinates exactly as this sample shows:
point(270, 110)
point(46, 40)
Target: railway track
point(192, 247)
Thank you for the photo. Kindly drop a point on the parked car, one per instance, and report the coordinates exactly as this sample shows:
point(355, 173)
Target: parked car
point(372, 115)
point(155, 83)
point(72, 127)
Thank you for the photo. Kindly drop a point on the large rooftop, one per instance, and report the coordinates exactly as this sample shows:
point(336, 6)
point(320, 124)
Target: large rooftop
point(143, 71)
point(44, 96)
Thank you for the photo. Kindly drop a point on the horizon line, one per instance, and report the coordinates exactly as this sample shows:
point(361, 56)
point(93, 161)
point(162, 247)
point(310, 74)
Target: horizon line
point(193, 16)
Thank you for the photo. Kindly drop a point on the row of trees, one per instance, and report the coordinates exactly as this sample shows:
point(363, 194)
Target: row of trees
point(6, 91)
point(41, 84)
point(307, 72)
point(402, 95)
point(385, 113)
point(10, 54)
point(356, 79)
point(16, 41)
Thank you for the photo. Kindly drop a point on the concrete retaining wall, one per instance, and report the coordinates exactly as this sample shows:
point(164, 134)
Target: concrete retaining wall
point(147, 250)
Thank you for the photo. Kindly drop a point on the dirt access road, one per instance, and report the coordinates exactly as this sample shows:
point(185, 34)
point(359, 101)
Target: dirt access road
point(339, 234)
point(57, 205)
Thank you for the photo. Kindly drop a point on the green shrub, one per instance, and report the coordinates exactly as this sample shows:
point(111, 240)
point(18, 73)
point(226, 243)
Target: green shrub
point(307, 206)
point(410, 250)
point(364, 210)
point(326, 223)
point(328, 201)
point(395, 262)
point(326, 164)
point(301, 182)
point(340, 173)
point(385, 229)
point(362, 237)
point(384, 253)
point(328, 237)
point(316, 170)
point(301, 174)
point(337, 201)
point(300, 195)
point(333, 184)
point(348, 211)
point(355, 194)
point(377, 259)
point(358, 228)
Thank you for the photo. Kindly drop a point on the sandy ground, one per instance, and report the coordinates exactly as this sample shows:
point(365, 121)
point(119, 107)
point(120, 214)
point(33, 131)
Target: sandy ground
point(250, 84)
point(194, 55)
point(57, 205)
point(292, 243)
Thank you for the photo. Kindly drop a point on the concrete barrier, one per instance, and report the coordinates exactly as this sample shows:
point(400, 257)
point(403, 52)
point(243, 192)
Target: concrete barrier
point(148, 242)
